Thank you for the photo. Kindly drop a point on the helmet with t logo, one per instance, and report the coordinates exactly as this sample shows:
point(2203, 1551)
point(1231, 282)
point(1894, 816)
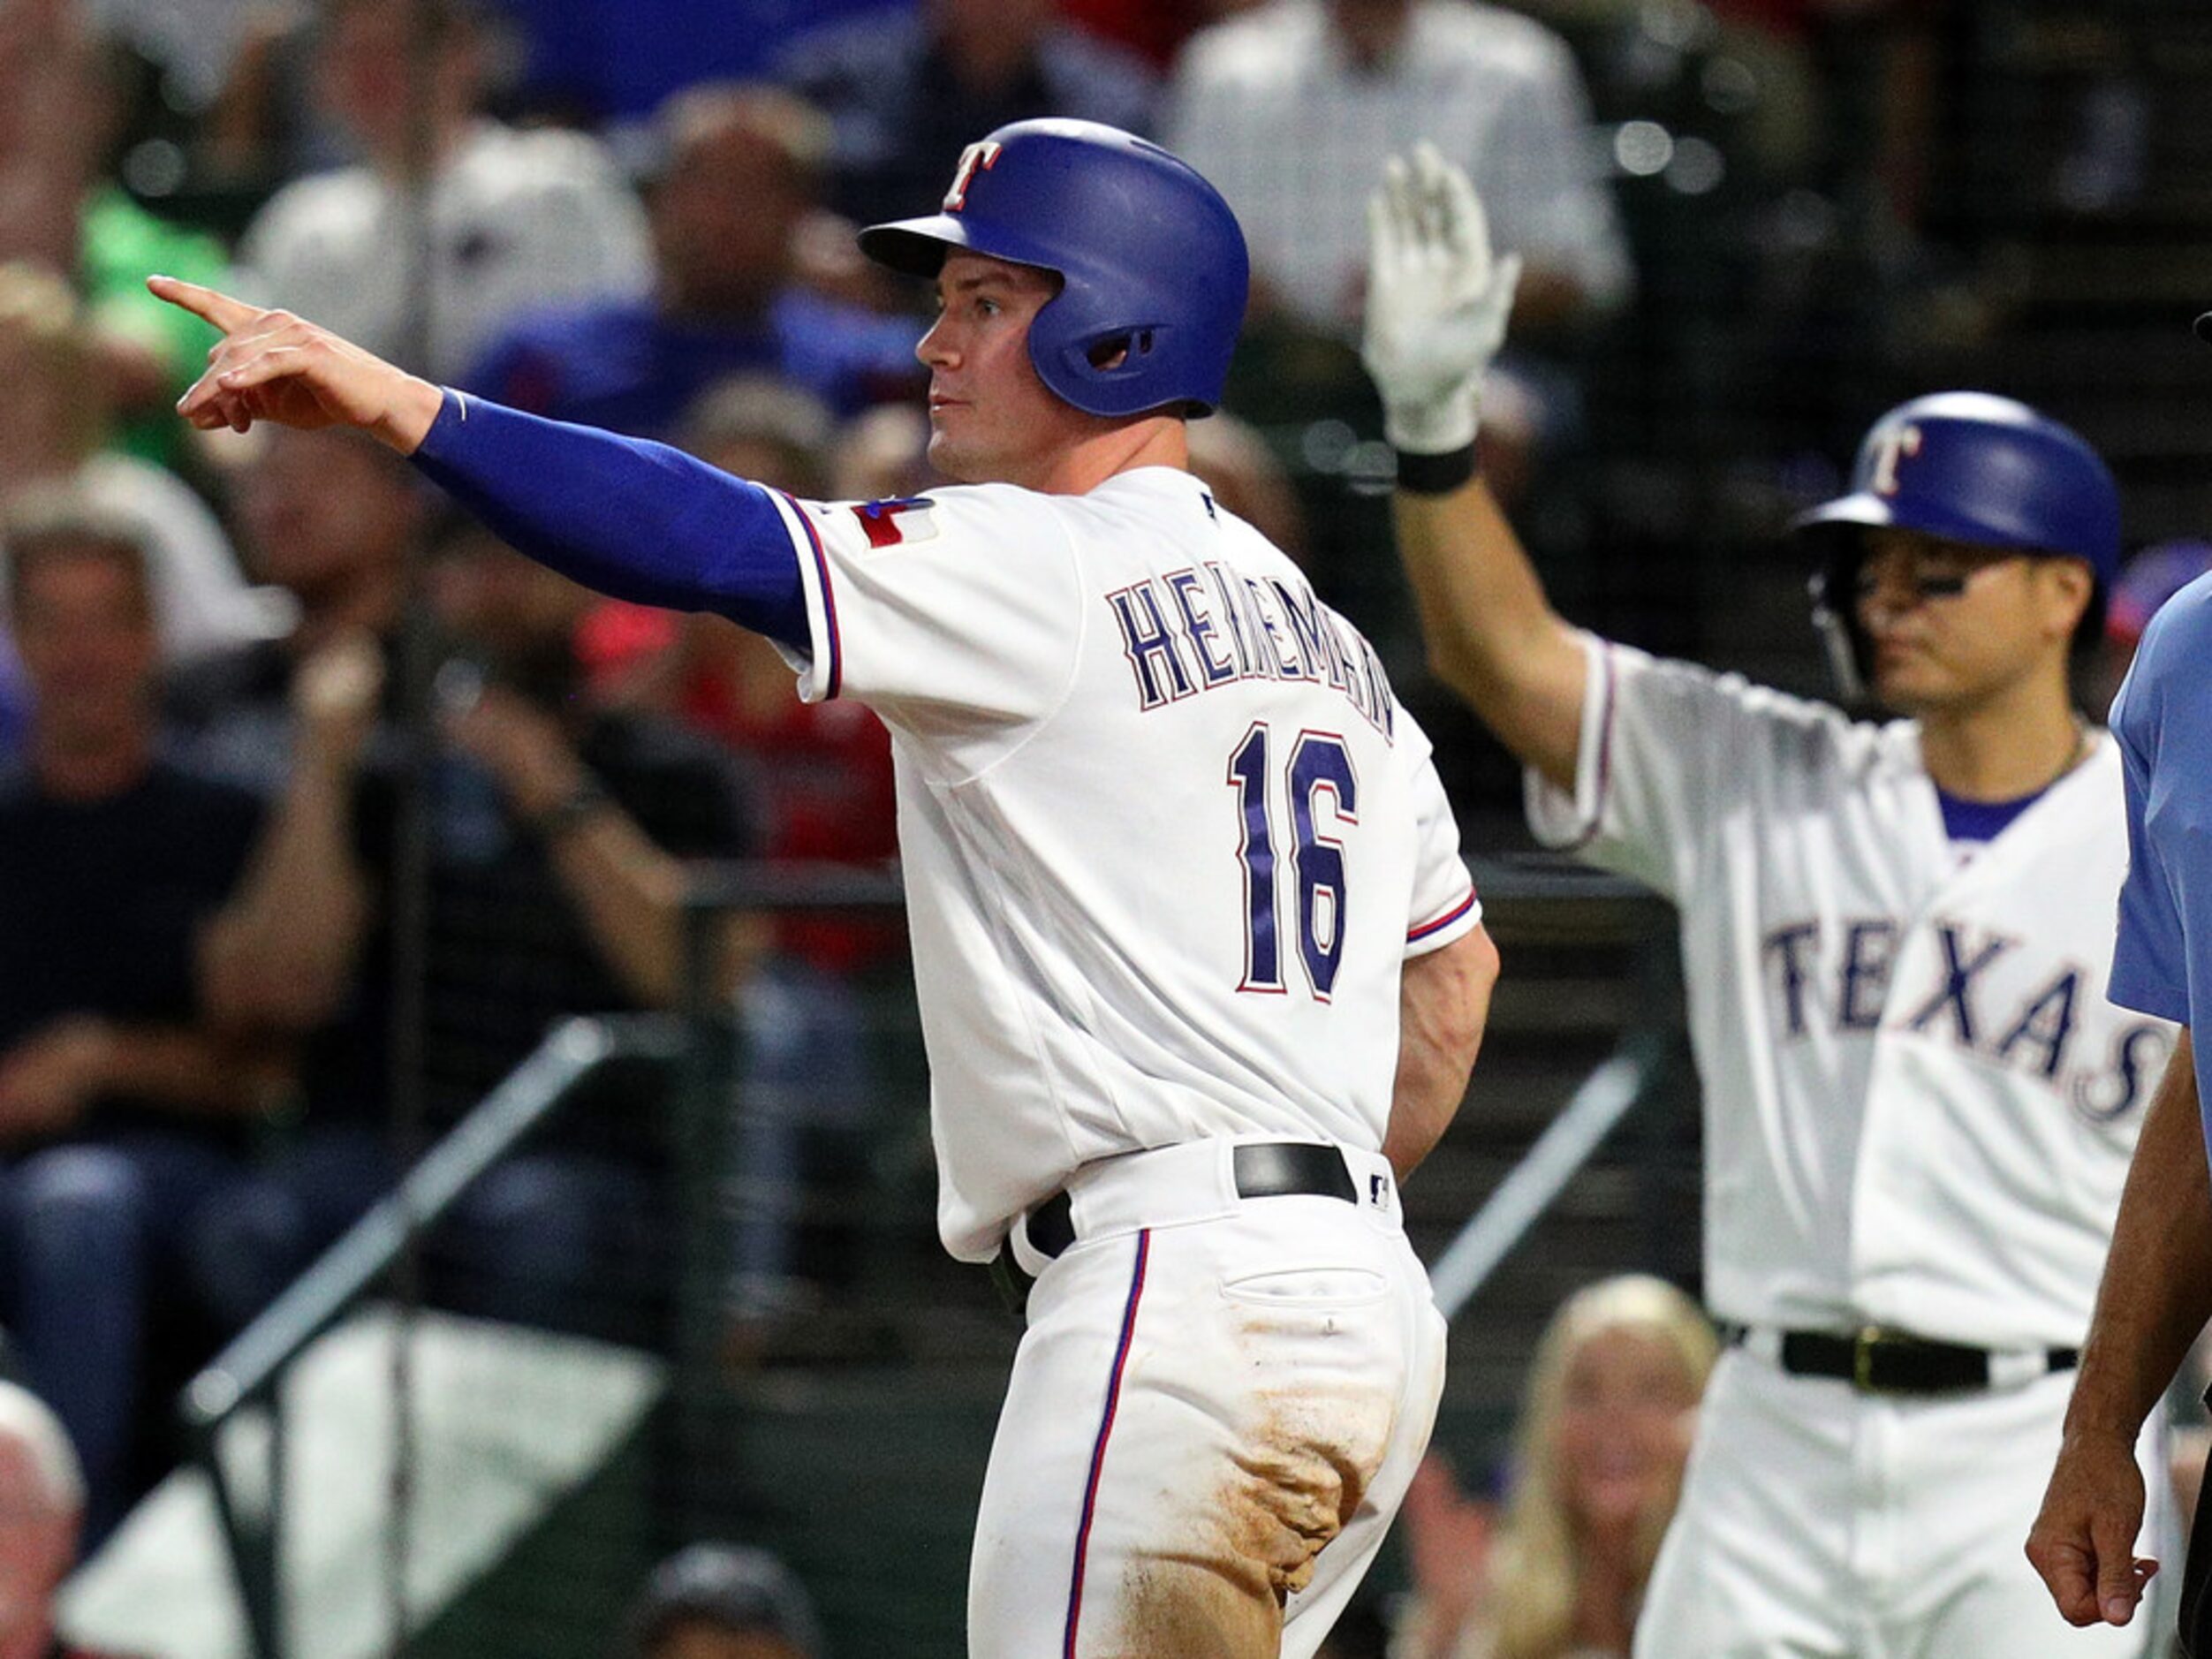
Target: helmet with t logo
point(1152, 263)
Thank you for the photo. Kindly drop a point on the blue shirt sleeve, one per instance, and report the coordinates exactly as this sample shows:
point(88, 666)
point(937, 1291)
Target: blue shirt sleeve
point(637, 520)
point(2163, 717)
point(2150, 957)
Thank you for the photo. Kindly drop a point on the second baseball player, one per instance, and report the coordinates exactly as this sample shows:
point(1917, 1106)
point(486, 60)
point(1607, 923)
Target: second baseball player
point(1919, 1108)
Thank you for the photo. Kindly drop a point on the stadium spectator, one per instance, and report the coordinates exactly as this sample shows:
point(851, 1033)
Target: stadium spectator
point(190, 44)
point(825, 782)
point(558, 837)
point(722, 1601)
point(1603, 1434)
point(262, 128)
point(1285, 108)
point(739, 176)
point(907, 92)
point(54, 424)
point(759, 420)
point(122, 1110)
point(42, 1496)
point(516, 220)
point(301, 718)
point(328, 523)
point(330, 520)
point(60, 97)
point(1152, 29)
point(825, 768)
point(882, 455)
point(594, 63)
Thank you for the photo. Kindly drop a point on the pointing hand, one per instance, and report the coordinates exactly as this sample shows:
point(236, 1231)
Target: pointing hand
point(273, 365)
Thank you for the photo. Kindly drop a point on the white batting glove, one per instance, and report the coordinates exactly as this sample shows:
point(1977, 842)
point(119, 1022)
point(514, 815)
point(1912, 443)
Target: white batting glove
point(1436, 302)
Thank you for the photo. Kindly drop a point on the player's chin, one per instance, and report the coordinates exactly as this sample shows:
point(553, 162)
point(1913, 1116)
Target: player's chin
point(952, 457)
point(1909, 683)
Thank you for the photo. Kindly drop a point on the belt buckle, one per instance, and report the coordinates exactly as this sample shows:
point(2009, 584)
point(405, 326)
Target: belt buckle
point(1863, 1345)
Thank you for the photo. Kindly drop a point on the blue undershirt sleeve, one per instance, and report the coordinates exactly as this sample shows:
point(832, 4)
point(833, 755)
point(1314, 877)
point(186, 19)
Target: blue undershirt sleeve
point(636, 520)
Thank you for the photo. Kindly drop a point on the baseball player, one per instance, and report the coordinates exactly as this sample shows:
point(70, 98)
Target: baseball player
point(1200, 970)
point(1918, 1109)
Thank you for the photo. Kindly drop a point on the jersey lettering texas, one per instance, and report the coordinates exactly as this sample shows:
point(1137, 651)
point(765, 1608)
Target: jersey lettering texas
point(1978, 992)
point(1197, 630)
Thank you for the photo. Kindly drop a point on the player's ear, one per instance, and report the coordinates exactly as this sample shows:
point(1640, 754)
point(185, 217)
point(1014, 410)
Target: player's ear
point(2070, 583)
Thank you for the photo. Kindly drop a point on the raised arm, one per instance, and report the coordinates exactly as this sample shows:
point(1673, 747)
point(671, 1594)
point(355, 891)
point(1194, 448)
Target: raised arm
point(281, 954)
point(1436, 308)
point(1444, 1005)
point(640, 521)
point(627, 889)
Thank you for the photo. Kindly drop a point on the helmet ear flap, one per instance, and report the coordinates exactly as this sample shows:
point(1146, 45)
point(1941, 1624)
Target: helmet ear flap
point(1111, 351)
point(1116, 352)
point(1833, 589)
point(1843, 641)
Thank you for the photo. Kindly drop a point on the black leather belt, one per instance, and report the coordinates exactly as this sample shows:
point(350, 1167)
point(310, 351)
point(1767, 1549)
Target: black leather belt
point(1264, 1169)
point(1878, 1361)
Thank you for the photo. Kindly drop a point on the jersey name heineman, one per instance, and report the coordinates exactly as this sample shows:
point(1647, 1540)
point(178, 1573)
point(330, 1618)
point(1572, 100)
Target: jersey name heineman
point(1197, 630)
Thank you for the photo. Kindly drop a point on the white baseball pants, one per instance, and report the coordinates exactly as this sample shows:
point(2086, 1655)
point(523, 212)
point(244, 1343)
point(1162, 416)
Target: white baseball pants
point(1818, 1522)
point(1212, 1418)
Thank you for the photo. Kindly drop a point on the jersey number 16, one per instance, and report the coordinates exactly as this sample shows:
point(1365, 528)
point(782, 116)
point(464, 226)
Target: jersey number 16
point(1319, 765)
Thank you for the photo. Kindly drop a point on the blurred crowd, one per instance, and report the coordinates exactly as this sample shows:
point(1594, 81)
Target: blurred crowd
point(639, 216)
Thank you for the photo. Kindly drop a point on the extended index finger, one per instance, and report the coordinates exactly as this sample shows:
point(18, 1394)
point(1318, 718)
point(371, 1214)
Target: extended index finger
point(210, 305)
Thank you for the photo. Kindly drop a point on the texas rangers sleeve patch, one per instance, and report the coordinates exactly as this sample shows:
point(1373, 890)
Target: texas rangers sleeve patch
point(890, 523)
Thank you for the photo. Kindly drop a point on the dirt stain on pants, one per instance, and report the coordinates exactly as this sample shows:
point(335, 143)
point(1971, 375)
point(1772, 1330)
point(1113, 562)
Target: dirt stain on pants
point(1253, 1546)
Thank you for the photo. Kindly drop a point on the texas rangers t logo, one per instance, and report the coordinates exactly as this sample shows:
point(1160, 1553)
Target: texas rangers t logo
point(1894, 447)
point(979, 157)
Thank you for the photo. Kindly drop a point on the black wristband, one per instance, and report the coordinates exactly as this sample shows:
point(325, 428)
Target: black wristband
point(586, 801)
point(1434, 474)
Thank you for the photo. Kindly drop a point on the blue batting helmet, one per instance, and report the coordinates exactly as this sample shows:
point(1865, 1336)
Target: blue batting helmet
point(1968, 466)
point(1152, 263)
point(1983, 469)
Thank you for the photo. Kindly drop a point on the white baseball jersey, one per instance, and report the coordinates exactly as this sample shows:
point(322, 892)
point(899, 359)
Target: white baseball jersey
point(1920, 1107)
point(1167, 833)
